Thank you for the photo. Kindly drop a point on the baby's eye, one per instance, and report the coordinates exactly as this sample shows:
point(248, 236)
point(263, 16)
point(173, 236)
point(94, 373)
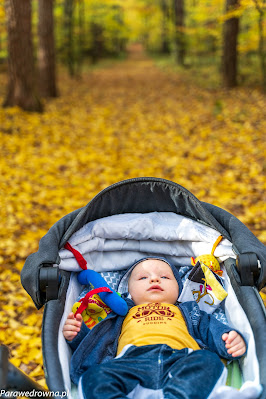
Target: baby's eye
point(142, 278)
point(165, 277)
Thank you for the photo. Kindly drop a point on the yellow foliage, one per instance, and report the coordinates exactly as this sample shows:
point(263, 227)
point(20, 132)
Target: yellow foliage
point(263, 296)
point(118, 123)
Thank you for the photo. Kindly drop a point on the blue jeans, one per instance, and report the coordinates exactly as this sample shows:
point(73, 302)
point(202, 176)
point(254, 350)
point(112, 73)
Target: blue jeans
point(174, 374)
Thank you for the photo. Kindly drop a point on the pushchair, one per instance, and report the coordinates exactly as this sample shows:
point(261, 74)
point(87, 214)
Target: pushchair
point(128, 221)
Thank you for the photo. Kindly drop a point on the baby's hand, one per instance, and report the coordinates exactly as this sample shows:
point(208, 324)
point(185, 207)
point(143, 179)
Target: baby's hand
point(234, 343)
point(72, 326)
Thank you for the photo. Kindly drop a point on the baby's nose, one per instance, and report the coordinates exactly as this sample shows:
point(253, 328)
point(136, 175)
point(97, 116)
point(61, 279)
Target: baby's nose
point(155, 278)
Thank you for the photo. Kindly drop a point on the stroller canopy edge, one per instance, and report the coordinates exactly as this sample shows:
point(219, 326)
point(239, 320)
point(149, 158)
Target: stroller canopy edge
point(144, 195)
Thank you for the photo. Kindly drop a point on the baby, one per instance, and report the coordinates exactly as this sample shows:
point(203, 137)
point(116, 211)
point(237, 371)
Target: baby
point(160, 346)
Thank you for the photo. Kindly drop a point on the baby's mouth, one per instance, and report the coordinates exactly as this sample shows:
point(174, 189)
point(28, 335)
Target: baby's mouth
point(156, 288)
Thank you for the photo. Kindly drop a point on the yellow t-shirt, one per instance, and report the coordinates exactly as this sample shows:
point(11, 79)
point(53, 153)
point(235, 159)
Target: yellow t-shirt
point(155, 323)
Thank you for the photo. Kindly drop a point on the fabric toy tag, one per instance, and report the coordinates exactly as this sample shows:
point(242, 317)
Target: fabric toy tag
point(204, 287)
point(95, 311)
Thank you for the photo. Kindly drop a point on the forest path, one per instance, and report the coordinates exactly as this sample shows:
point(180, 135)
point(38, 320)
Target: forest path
point(136, 52)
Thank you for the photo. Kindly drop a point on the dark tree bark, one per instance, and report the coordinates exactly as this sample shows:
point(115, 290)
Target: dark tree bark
point(97, 50)
point(261, 48)
point(179, 23)
point(165, 36)
point(46, 50)
point(230, 36)
point(68, 15)
point(81, 36)
point(21, 86)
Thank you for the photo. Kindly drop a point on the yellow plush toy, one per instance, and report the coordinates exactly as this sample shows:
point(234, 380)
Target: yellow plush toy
point(209, 259)
point(95, 311)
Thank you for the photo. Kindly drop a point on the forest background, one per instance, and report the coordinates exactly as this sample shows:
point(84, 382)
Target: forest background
point(95, 92)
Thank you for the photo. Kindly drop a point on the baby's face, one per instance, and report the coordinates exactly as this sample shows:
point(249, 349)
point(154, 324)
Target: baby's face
point(153, 281)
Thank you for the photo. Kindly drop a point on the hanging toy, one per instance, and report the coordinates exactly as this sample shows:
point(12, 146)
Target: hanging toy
point(99, 286)
point(210, 260)
point(92, 309)
point(111, 298)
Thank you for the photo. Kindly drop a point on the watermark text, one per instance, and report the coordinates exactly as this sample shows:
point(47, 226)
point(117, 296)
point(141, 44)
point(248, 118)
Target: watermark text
point(33, 394)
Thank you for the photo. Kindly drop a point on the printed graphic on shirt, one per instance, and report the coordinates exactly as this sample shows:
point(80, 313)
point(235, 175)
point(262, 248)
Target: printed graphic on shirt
point(155, 323)
point(153, 313)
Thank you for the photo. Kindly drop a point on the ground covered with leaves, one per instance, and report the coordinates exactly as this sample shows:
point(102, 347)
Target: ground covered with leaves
point(118, 121)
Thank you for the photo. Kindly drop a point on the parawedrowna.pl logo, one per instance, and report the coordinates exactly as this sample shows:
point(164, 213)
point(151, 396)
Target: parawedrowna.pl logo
point(33, 394)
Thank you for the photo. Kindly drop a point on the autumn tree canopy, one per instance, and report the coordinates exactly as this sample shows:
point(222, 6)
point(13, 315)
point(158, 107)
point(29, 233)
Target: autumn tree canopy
point(229, 34)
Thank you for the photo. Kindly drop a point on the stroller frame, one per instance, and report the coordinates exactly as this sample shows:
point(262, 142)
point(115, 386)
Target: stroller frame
point(143, 195)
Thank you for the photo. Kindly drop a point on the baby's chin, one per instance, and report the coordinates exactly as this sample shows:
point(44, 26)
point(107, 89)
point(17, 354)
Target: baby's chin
point(158, 298)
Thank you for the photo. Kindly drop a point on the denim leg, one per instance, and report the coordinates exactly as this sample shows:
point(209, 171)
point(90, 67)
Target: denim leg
point(192, 376)
point(180, 375)
point(116, 378)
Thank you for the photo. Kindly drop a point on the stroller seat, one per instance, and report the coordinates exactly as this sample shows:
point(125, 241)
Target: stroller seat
point(135, 219)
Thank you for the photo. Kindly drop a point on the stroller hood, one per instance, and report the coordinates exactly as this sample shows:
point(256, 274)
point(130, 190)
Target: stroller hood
point(140, 195)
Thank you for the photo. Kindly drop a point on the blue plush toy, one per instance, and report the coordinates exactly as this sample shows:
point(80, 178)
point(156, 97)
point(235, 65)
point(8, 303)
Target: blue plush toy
point(111, 299)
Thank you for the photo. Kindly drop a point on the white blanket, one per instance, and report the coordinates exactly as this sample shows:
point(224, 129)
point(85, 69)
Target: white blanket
point(166, 234)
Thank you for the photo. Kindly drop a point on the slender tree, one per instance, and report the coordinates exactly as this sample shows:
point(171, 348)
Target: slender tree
point(97, 49)
point(69, 26)
point(21, 86)
point(165, 36)
point(46, 50)
point(81, 36)
point(179, 37)
point(261, 7)
point(230, 36)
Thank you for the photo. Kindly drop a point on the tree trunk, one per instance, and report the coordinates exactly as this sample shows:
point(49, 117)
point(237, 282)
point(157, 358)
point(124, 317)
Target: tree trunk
point(165, 37)
point(46, 50)
point(231, 28)
point(81, 36)
point(261, 48)
point(97, 50)
point(179, 37)
point(21, 85)
point(262, 52)
point(68, 15)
